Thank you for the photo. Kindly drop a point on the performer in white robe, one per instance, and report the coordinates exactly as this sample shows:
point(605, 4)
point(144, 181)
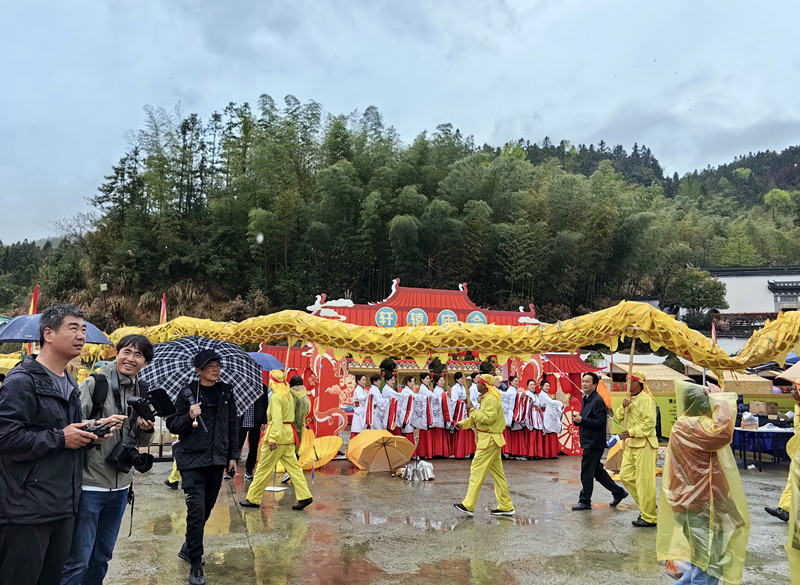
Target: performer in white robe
point(425, 446)
point(442, 411)
point(474, 395)
point(405, 407)
point(535, 421)
point(515, 436)
point(461, 440)
point(379, 406)
point(359, 406)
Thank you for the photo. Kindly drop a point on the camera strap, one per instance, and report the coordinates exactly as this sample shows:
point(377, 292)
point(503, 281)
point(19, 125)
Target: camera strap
point(131, 498)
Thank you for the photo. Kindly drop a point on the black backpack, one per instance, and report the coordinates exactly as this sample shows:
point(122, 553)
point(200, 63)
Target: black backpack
point(100, 394)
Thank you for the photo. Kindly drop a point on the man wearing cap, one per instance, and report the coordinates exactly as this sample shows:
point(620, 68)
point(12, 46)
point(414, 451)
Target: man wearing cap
point(206, 422)
point(591, 424)
point(638, 471)
point(279, 445)
point(489, 422)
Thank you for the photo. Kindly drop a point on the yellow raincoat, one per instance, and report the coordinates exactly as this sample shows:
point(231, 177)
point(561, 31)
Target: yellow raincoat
point(793, 543)
point(703, 516)
point(786, 496)
point(638, 470)
point(489, 423)
point(280, 430)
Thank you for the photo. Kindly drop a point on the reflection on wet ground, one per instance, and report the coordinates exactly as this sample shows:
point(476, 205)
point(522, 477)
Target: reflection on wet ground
point(372, 528)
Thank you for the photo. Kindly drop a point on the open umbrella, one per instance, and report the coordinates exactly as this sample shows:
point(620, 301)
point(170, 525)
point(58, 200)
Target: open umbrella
point(25, 329)
point(267, 361)
point(173, 368)
point(375, 450)
point(791, 374)
point(317, 452)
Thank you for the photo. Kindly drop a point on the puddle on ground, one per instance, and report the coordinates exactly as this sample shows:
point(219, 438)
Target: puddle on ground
point(223, 520)
point(583, 562)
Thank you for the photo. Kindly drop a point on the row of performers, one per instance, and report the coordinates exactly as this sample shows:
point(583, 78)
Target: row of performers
point(533, 415)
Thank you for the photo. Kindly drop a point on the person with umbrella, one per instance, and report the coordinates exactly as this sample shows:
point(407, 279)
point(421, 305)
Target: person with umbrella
point(208, 427)
point(279, 445)
point(490, 423)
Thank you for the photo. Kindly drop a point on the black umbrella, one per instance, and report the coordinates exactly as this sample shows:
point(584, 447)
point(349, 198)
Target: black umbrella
point(173, 368)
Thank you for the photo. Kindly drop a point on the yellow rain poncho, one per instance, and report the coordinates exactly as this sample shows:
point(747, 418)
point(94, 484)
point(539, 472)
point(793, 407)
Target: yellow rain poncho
point(702, 515)
point(787, 492)
point(489, 423)
point(638, 470)
point(281, 432)
point(793, 543)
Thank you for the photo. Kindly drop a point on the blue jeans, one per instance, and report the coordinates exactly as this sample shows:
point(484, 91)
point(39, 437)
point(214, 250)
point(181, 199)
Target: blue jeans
point(96, 528)
point(696, 576)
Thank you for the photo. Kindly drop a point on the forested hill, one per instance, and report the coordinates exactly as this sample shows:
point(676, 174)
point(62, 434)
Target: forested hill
point(271, 204)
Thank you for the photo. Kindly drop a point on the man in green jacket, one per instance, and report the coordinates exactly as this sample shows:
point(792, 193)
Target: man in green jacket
point(105, 488)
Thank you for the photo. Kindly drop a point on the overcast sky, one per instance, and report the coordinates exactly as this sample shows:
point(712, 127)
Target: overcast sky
point(697, 82)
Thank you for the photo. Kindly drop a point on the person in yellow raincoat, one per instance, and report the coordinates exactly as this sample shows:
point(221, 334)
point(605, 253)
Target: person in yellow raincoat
point(793, 542)
point(702, 516)
point(782, 511)
point(279, 445)
point(638, 470)
point(489, 422)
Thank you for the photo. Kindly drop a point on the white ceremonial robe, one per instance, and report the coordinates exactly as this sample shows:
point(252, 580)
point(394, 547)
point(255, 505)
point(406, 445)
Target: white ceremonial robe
point(359, 410)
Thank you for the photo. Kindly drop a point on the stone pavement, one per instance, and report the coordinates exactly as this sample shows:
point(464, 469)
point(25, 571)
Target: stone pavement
point(373, 528)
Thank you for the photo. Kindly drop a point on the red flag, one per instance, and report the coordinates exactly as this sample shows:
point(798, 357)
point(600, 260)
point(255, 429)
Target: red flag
point(163, 318)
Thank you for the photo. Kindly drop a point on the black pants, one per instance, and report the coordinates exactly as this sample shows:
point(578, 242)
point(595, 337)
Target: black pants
point(252, 435)
point(201, 487)
point(34, 553)
point(592, 469)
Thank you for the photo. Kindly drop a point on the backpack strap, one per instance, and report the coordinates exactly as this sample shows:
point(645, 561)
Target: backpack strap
point(99, 394)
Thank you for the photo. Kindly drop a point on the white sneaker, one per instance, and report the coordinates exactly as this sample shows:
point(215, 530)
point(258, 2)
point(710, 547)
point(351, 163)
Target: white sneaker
point(285, 478)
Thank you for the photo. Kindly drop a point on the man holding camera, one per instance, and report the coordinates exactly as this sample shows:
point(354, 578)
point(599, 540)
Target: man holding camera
point(41, 436)
point(107, 475)
point(206, 422)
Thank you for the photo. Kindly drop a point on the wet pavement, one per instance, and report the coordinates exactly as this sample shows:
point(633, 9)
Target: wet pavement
point(365, 529)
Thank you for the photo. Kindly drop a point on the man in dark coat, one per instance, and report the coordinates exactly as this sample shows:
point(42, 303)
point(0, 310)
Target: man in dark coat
point(592, 423)
point(206, 422)
point(40, 459)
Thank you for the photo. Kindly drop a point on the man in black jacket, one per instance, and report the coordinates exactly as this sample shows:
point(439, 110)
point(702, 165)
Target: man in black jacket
point(206, 422)
point(40, 459)
point(592, 423)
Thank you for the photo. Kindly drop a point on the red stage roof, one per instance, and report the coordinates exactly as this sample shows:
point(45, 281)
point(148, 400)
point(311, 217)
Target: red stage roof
point(418, 306)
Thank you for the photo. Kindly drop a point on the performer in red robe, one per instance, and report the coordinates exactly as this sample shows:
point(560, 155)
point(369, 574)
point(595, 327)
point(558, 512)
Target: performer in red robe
point(425, 448)
point(462, 440)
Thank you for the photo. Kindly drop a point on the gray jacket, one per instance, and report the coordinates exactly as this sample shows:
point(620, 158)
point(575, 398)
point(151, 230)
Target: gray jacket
point(97, 472)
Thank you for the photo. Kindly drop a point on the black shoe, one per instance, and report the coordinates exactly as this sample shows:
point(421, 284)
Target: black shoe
point(463, 508)
point(196, 576)
point(286, 478)
point(302, 504)
point(248, 475)
point(618, 498)
point(249, 504)
point(227, 475)
point(184, 557)
point(173, 485)
point(640, 523)
point(582, 506)
point(498, 512)
point(779, 513)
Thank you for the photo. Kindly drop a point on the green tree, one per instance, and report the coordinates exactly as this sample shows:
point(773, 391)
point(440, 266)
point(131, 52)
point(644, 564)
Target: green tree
point(694, 289)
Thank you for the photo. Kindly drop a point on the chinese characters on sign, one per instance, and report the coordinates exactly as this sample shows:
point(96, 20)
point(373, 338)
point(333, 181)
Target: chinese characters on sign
point(386, 317)
point(476, 318)
point(417, 317)
point(446, 317)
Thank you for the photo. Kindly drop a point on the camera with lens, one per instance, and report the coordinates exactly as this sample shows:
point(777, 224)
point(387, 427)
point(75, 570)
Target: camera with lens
point(126, 455)
point(155, 403)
